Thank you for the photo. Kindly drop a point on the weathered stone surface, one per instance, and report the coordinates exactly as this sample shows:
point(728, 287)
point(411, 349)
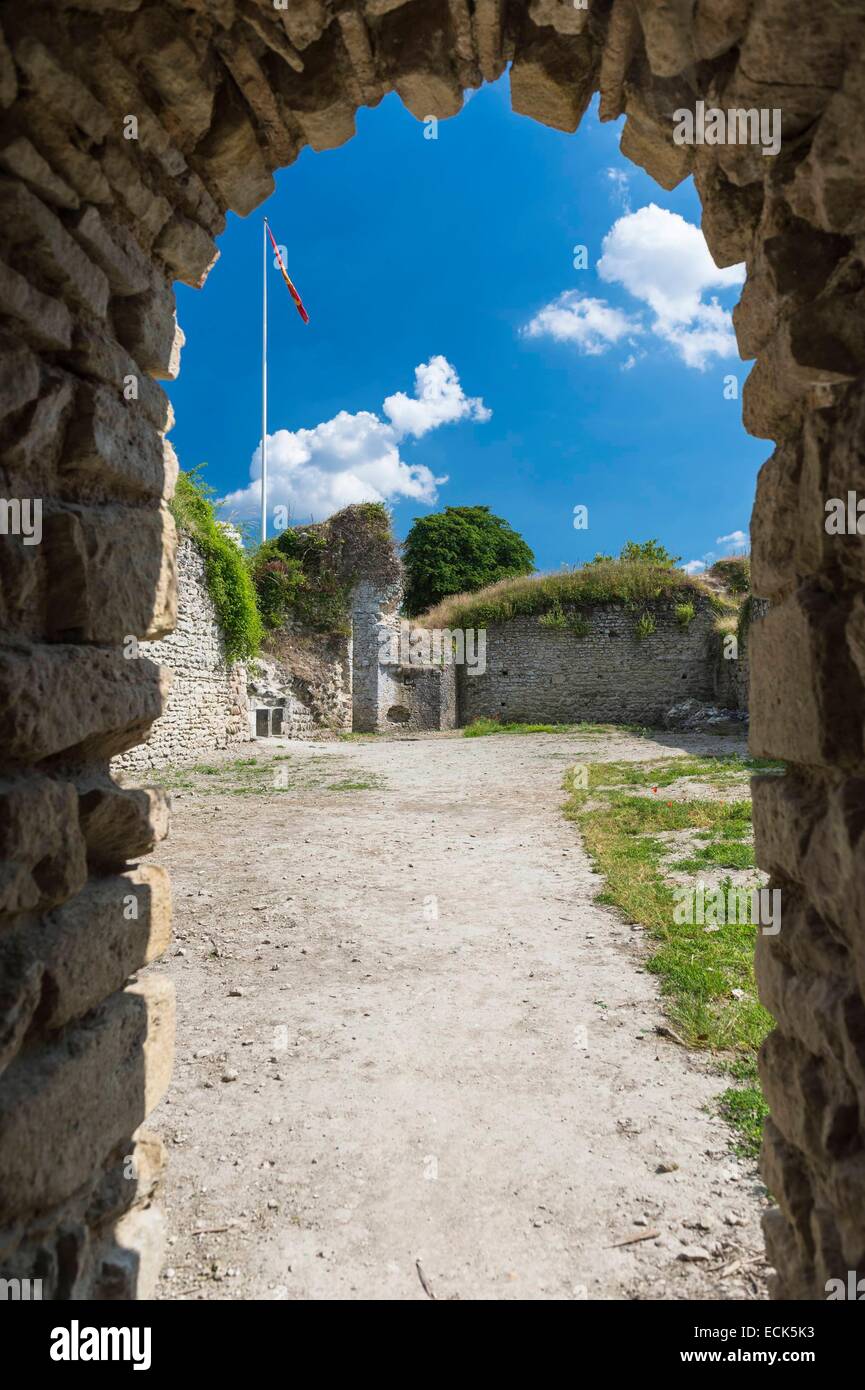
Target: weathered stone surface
point(229, 156)
point(19, 157)
point(805, 692)
point(42, 851)
point(119, 825)
point(207, 706)
point(111, 574)
point(75, 700)
point(112, 449)
point(80, 953)
point(552, 79)
point(187, 250)
point(56, 84)
point(19, 378)
point(44, 321)
point(623, 33)
point(668, 34)
point(125, 267)
point(65, 1105)
point(147, 327)
point(40, 235)
point(224, 91)
point(651, 146)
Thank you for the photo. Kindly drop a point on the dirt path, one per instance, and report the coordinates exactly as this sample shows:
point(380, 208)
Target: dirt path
point(440, 1049)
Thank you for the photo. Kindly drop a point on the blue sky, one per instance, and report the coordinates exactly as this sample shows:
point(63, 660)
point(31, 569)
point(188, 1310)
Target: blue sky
point(452, 336)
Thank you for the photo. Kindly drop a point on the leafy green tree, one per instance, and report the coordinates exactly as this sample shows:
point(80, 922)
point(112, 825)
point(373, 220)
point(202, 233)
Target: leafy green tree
point(648, 553)
point(457, 551)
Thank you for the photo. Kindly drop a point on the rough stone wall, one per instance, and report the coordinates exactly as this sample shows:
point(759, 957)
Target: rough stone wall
point(417, 698)
point(310, 676)
point(207, 707)
point(610, 675)
point(374, 614)
point(129, 127)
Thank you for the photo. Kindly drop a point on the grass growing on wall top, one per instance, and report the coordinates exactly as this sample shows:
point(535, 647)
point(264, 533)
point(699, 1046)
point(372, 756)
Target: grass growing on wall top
point(628, 582)
point(226, 575)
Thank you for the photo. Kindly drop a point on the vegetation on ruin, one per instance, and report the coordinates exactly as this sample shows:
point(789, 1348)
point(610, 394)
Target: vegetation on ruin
point(308, 573)
point(629, 582)
point(706, 977)
point(225, 569)
point(459, 550)
point(734, 572)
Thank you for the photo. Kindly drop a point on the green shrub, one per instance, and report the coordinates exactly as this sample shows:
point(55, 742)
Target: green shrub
point(225, 569)
point(308, 572)
point(645, 626)
point(734, 571)
point(556, 618)
point(685, 613)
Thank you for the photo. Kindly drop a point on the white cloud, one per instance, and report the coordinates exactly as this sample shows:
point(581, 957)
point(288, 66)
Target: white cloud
point(664, 261)
point(737, 540)
point(592, 325)
point(356, 457)
point(439, 399)
point(621, 182)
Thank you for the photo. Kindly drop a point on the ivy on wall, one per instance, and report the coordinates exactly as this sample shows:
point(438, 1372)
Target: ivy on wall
point(225, 567)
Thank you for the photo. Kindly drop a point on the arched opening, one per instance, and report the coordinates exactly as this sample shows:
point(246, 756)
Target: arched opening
point(132, 128)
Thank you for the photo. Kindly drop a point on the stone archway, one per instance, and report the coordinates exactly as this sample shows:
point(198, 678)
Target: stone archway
point(129, 128)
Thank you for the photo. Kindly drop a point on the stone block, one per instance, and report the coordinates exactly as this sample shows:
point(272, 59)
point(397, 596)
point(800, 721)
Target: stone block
point(44, 322)
point(147, 327)
point(19, 378)
point(121, 824)
point(78, 701)
point(111, 574)
point(59, 87)
point(19, 158)
point(553, 79)
point(42, 851)
point(187, 250)
point(773, 522)
point(66, 1104)
point(650, 144)
point(79, 954)
point(806, 696)
point(112, 450)
point(125, 266)
point(41, 239)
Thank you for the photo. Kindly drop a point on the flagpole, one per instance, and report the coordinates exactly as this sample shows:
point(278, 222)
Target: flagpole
point(264, 384)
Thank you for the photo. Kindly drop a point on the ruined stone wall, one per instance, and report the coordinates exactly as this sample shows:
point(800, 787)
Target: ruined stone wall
point(417, 698)
point(129, 127)
point(309, 674)
point(207, 707)
point(374, 615)
point(608, 674)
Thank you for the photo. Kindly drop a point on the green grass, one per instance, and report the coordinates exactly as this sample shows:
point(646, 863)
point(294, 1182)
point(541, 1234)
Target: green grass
point(629, 582)
point(706, 978)
point(480, 728)
point(264, 776)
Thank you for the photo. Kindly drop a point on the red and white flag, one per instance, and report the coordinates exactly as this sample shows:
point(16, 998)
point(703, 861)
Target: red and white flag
point(291, 289)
